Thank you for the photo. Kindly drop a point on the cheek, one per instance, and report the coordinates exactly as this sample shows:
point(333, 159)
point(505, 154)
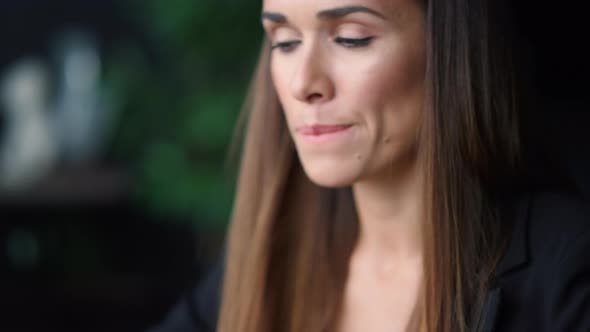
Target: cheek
point(382, 79)
point(280, 74)
point(386, 90)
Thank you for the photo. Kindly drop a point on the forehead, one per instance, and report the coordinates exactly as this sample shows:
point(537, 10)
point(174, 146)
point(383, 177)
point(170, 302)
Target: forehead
point(398, 11)
point(385, 6)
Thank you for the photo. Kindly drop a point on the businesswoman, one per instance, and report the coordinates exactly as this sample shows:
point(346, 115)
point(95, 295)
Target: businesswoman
point(382, 186)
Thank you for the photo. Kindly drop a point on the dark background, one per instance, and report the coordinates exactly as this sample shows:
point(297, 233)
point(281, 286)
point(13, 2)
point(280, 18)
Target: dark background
point(110, 243)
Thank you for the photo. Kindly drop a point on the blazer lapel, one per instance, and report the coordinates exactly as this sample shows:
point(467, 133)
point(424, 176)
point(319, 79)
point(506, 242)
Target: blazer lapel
point(517, 253)
point(490, 310)
point(515, 257)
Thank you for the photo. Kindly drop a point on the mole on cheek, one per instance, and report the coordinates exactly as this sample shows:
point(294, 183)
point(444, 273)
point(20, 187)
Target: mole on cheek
point(387, 140)
point(359, 156)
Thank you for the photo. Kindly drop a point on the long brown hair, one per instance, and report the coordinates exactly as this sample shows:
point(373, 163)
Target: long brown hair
point(290, 240)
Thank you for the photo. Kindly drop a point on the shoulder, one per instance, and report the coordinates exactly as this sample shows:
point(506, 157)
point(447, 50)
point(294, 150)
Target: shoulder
point(561, 227)
point(545, 275)
point(198, 309)
point(556, 222)
point(543, 226)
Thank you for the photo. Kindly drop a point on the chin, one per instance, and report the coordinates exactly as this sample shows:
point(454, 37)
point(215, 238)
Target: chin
point(330, 175)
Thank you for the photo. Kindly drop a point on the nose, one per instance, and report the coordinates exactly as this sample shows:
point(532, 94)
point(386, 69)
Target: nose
point(311, 82)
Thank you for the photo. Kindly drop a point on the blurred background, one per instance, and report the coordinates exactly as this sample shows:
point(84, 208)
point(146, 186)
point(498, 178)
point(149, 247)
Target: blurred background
point(115, 123)
point(115, 120)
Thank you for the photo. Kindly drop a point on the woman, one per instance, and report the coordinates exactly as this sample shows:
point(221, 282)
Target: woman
point(381, 185)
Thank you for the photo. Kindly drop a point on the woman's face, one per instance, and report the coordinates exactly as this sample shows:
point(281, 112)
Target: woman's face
point(350, 78)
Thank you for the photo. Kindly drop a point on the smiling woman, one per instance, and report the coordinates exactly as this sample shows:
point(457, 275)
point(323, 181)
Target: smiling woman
point(382, 186)
point(351, 83)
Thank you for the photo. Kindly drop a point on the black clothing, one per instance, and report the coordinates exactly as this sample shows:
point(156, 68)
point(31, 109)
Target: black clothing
point(541, 284)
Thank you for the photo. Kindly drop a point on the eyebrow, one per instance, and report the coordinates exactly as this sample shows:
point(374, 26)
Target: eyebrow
point(274, 17)
point(343, 11)
point(328, 14)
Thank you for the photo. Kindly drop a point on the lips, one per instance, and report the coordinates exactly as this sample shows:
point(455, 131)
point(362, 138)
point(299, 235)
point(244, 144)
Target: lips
point(319, 130)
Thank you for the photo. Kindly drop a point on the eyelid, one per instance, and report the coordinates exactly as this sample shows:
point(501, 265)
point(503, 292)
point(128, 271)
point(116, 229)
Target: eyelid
point(283, 33)
point(349, 35)
point(354, 42)
point(352, 30)
point(285, 46)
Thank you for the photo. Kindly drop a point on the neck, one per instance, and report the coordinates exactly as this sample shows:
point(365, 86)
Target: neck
point(390, 209)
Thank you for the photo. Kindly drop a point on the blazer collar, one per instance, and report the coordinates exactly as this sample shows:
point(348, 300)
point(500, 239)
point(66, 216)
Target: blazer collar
point(518, 250)
point(514, 258)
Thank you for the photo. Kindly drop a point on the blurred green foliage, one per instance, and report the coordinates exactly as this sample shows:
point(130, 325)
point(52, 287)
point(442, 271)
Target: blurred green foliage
point(180, 97)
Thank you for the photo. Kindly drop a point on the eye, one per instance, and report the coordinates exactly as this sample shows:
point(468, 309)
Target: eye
point(353, 42)
point(286, 46)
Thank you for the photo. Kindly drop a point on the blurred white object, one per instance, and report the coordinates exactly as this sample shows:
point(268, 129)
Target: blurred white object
point(82, 118)
point(28, 150)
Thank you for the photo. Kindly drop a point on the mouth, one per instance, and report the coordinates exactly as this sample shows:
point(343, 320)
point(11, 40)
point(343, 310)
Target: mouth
point(323, 133)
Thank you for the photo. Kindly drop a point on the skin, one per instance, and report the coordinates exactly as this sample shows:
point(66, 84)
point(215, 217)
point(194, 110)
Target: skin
point(374, 87)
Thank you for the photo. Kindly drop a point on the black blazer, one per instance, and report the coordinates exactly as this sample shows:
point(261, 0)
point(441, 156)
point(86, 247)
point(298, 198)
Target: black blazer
point(541, 284)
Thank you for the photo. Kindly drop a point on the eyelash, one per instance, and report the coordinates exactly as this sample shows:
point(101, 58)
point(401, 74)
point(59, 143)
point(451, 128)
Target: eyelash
point(285, 47)
point(288, 46)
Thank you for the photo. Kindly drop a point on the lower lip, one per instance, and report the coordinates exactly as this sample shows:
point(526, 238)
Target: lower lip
point(327, 137)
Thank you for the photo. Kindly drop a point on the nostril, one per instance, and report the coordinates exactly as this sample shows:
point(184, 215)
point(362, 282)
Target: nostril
point(314, 96)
